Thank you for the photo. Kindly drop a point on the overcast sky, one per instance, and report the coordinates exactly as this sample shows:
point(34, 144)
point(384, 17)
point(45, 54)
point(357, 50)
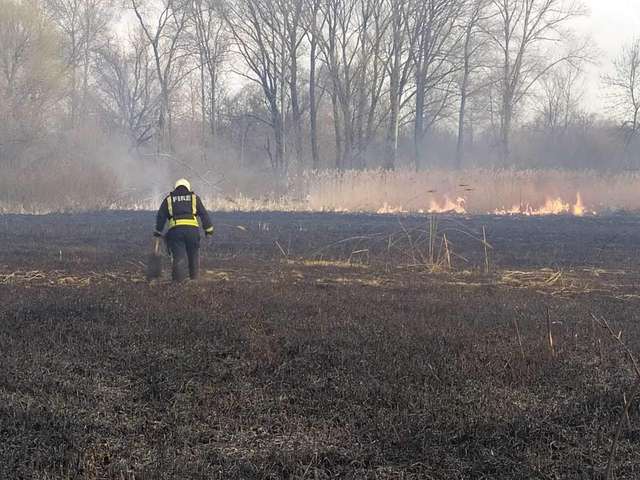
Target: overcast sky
point(610, 23)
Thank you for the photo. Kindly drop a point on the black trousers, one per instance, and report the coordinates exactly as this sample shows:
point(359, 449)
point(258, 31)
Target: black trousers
point(184, 245)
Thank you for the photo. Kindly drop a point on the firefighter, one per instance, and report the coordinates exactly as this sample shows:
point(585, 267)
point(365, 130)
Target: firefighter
point(181, 208)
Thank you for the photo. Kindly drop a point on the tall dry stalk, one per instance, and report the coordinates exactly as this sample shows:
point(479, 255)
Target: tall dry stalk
point(447, 252)
point(552, 349)
point(486, 250)
point(515, 324)
point(433, 234)
point(635, 391)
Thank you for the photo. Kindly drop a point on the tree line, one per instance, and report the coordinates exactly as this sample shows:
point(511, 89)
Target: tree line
point(294, 85)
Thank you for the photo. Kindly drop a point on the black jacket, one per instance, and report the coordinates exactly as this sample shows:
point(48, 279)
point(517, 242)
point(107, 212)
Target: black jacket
point(178, 208)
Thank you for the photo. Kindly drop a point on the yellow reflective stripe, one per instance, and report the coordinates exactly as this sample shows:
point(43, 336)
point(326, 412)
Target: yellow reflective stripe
point(188, 222)
point(184, 222)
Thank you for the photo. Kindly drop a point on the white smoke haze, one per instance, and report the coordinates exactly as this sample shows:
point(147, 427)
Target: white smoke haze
point(129, 183)
point(477, 191)
point(108, 129)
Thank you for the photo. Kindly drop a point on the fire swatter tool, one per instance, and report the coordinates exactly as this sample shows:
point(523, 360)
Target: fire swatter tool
point(154, 262)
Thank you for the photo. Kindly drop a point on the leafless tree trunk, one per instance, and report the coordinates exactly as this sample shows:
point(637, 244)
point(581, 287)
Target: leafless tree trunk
point(211, 46)
point(128, 88)
point(328, 43)
point(624, 90)
point(337, 128)
point(470, 50)
point(258, 35)
point(402, 42)
point(32, 81)
point(522, 28)
point(372, 78)
point(464, 86)
point(164, 38)
point(294, 27)
point(438, 38)
point(67, 15)
point(82, 23)
point(313, 33)
point(559, 100)
point(349, 43)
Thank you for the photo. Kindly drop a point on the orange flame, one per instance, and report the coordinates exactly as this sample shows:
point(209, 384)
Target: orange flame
point(552, 206)
point(579, 209)
point(448, 206)
point(386, 209)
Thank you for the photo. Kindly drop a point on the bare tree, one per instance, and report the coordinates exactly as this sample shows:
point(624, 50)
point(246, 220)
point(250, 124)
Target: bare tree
point(350, 43)
point(165, 36)
point(315, 26)
point(474, 44)
point(559, 100)
point(212, 47)
point(434, 56)
point(31, 76)
point(128, 88)
point(294, 28)
point(280, 80)
point(521, 31)
point(624, 90)
point(82, 23)
point(258, 34)
point(327, 38)
point(372, 80)
point(400, 44)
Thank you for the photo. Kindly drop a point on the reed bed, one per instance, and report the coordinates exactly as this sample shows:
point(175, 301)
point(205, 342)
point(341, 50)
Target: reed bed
point(475, 191)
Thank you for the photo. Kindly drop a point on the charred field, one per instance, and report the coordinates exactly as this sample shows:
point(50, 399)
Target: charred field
point(321, 346)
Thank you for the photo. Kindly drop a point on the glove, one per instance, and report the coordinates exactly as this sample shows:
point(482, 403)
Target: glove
point(157, 234)
point(209, 232)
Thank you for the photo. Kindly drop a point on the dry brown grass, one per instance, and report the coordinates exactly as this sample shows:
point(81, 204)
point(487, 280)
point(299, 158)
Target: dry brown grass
point(476, 191)
point(483, 191)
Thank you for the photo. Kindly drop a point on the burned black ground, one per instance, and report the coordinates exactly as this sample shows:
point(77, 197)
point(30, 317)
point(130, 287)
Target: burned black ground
point(318, 346)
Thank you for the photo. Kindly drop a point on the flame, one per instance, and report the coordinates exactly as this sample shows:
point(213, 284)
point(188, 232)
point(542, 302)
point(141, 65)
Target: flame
point(552, 206)
point(448, 206)
point(578, 208)
point(386, 209)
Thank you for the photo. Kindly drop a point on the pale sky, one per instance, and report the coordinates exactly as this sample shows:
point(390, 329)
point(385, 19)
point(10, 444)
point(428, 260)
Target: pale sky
point(611, 24)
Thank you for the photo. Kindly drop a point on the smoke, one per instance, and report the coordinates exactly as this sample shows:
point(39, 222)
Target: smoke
point(474, 191)
point(92, 171)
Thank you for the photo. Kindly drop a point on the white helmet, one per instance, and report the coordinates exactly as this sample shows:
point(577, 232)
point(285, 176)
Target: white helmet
point(183, 182)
